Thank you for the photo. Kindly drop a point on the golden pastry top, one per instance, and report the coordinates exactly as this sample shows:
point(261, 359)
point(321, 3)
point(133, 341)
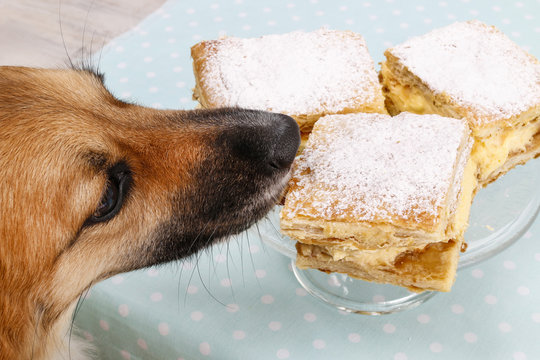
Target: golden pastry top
point(297, 73)
point(477, 67)
point(405, 169)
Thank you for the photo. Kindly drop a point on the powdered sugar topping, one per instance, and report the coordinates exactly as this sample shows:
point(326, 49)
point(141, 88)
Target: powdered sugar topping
point(477, 66)
point(374, 167)
point(324, 71)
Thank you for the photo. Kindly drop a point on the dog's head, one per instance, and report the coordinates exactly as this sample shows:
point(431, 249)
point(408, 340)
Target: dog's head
point(92, 186)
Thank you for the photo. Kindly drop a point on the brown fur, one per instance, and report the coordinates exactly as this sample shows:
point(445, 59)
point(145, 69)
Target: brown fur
point(60, 130)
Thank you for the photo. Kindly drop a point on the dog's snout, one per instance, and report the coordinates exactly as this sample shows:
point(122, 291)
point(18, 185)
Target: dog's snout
point(266, 140)
point(287, 141)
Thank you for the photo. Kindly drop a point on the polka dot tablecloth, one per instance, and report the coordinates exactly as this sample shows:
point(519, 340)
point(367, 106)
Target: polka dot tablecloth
point(240, 300)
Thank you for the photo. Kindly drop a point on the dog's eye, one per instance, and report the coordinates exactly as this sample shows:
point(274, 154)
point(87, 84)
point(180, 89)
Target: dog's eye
point(118, 183)
point(108, 201)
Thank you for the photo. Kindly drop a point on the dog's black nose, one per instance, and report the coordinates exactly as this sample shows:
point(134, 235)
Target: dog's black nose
point(287, 141)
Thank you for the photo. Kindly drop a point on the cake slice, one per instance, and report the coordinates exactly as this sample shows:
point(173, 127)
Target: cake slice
point(302, 74)
point(472, 71)
point(383, 198)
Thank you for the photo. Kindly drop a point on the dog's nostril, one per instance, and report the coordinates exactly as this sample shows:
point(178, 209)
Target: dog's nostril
point(287, 141)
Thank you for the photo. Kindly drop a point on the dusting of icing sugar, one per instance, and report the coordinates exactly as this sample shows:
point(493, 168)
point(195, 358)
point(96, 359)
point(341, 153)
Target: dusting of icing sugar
point(477, 66)
point(374, 167)
point(298, 73)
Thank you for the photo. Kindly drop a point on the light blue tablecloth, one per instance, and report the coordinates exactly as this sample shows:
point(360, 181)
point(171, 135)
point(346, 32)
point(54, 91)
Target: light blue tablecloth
point(241, 301)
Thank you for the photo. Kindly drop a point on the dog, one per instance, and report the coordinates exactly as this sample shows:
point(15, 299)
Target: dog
point(92, 186)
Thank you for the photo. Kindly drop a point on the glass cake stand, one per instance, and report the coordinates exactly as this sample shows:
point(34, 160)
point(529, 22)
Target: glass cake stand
point(501, 213)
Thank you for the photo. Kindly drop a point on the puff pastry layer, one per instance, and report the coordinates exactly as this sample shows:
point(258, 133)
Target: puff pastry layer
point(383, 198)
point(472, 71)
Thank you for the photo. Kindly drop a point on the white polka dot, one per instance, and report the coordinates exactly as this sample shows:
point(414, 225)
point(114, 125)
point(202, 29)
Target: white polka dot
point(246, 27)
point(490, 299)
point(242, 15)
point(180, 84)
point(496, 8)
point(169, 29)
point(519, 4)
point(470, 337)
point(150, 75)
point(528, 234)
point(343, 8)
point(420, 8)
point(283, 354)
point(349, 21)
point(396, 12)
point(148, 59)
point(267, 9)
point(537, 256)
point(196, 316)
point(253, 249)
point(523, 290)
point(535, 317)
point(117, 279)
point(153, 89)
point(378, 298)
point(145, 44)
point(477, 273)
point(123, 310)
point(389, 328)
point(260, 273)
point(435, 347)
point(273, 23)
point(190, 11)
point(220, 258)
point(104, 325)
point(125, 354)
point(404, 25)
point(157, 105)
point(319, 13)
point(379, 30)
point(443, 3)
point(163, 328)
point(473, 12)
point(88, 336)
point(125, 94)
point(457, 309)
point(518, 355)
point(301, 292)
point(123, 80)
point(204, 348)
point(310, 317)
point(239, 334)
point(319, 344)
point(354, 337)
point(267, 299)
point(193, 23)
point(214, 6)
point(232, 308)
point(505, 21)
point(226, 282)
point(400, 356)
point(142, 344)
point(119, 49)
point(505, 327)
point(423, 318)
point(192, 289)
point(428, 20)
point(274, 325)
point(366, 4)
point(157, 296)
point(152, 272)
